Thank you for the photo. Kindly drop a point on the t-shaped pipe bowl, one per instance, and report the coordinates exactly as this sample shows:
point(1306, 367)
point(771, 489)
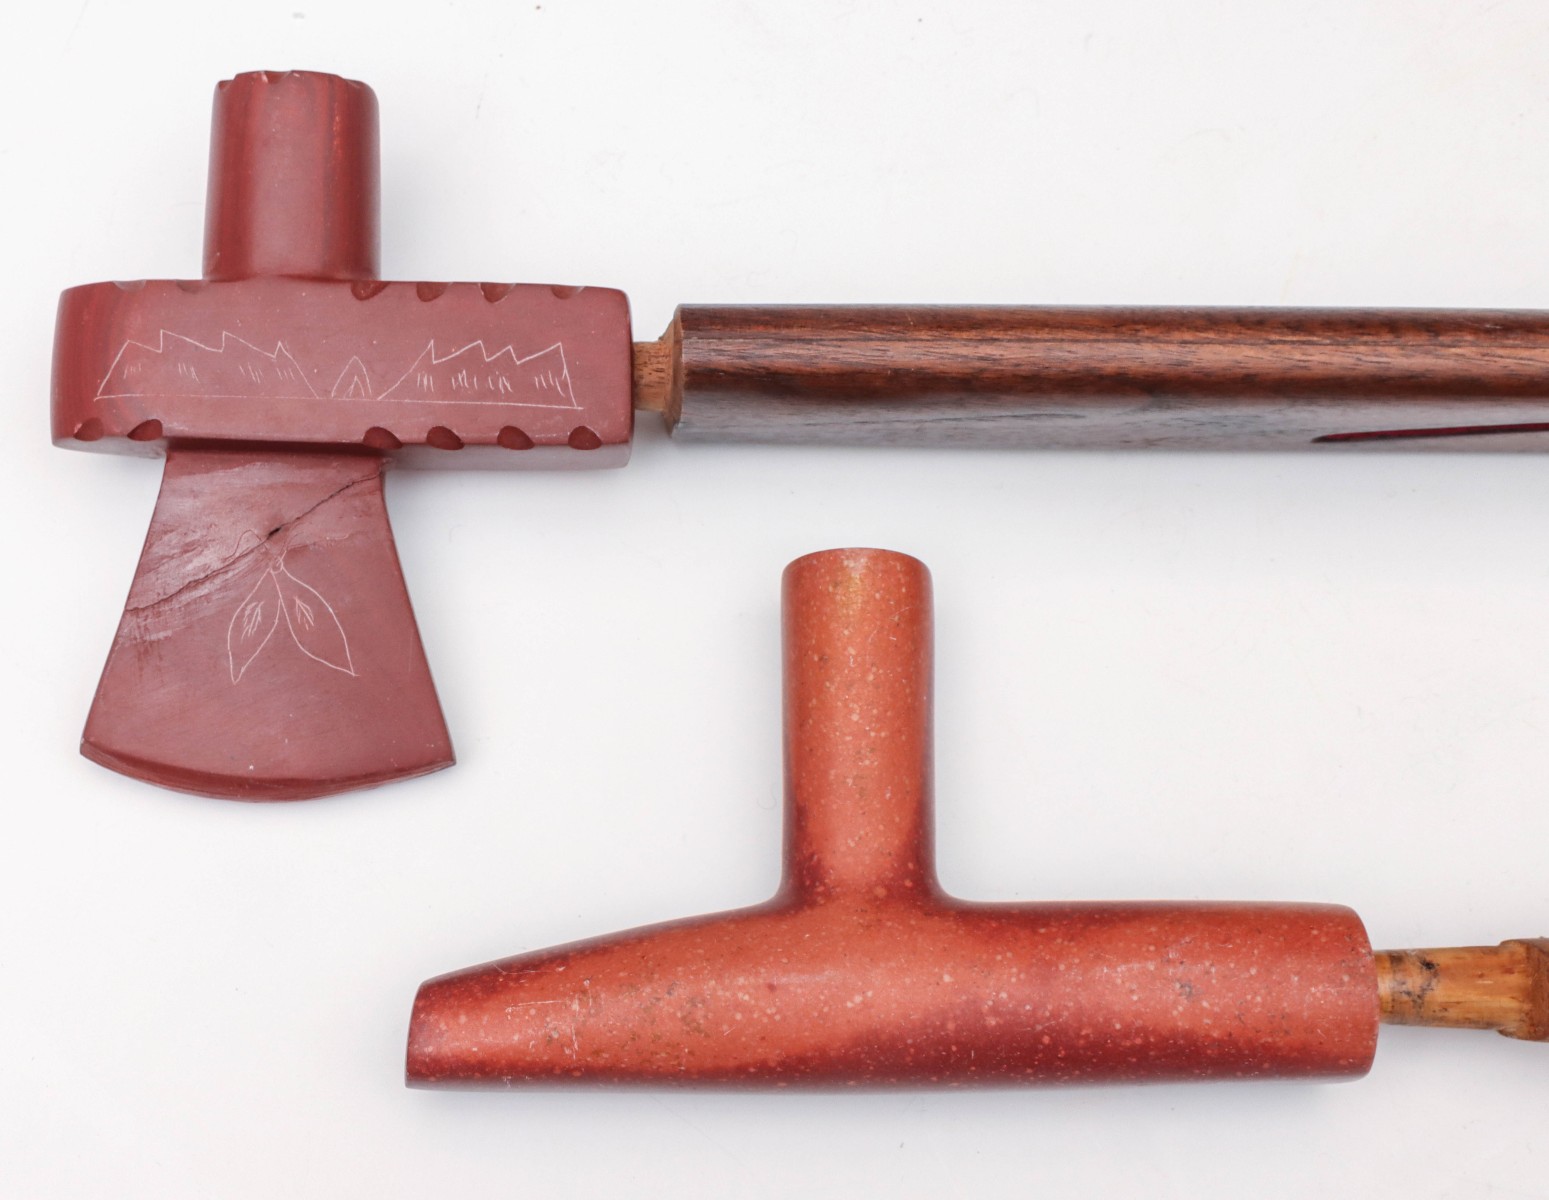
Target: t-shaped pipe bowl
point(861, 970)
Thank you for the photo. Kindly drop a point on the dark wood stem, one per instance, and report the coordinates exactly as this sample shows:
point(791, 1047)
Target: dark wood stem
point(1103, 378)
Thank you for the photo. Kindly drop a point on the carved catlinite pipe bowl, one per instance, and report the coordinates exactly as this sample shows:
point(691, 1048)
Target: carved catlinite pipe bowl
point(862, 971)
point(268, 650)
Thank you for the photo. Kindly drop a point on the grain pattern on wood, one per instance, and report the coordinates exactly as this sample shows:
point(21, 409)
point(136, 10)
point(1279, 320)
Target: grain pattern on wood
point(654, 363)
point(1503, 987)
point(1108, 378)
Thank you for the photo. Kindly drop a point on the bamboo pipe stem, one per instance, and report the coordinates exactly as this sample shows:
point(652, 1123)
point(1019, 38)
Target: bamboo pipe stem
point(1505, 988)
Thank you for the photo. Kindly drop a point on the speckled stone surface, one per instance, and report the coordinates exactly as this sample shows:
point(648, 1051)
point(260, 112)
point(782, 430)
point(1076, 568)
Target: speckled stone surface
point(862, 972)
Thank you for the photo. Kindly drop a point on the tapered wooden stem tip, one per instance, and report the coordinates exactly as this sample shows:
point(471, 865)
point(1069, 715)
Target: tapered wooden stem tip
point(1505, 988)
point(655, 369)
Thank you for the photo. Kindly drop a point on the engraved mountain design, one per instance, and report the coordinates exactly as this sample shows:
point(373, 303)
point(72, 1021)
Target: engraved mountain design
point(353, 382)
point(472, 374)
point(177, 365)
point(180, 366)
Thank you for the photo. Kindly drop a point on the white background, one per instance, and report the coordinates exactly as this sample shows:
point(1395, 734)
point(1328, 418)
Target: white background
point(1167, 676)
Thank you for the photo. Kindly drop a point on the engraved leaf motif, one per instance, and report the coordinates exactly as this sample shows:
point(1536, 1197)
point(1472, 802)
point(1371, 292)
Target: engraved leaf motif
point(252, 625)
point(313, 623)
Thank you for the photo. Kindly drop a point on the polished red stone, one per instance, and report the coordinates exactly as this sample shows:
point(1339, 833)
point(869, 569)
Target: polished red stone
point(268, 650)
point(861, 971)
point(290, 339)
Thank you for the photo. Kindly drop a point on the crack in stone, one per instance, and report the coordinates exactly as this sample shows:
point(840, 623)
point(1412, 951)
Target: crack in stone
point(242, 556)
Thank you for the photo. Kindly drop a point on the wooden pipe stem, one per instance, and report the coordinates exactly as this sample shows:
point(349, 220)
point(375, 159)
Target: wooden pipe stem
point(1102, 378)
point(654, 368)
point(1505, 988)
